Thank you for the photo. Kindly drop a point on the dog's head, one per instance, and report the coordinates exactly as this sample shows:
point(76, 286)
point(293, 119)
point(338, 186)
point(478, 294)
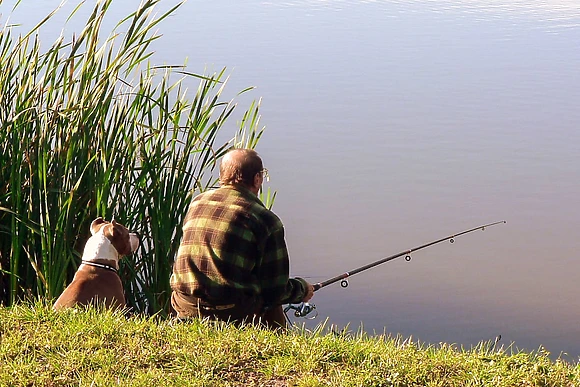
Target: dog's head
point(123, 241)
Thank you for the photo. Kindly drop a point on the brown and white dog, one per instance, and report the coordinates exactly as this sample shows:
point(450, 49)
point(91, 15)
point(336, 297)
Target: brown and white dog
point(97, 281)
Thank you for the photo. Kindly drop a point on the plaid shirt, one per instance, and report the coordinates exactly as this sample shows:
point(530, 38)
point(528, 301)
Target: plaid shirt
point(233, 249)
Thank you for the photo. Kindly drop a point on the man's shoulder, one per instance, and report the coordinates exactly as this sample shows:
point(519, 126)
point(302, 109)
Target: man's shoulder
point(266, 216)
point(215, 197)
point(238, 201)
point(212, 193)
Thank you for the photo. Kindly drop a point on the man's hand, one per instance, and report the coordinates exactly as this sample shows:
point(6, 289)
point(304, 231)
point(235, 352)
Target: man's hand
point(309, 292)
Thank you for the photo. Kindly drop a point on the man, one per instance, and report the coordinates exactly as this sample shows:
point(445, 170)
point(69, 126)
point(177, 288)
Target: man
point(232, 264)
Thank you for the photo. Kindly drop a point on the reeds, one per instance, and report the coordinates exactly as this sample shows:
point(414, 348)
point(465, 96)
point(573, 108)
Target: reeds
point(90, 128)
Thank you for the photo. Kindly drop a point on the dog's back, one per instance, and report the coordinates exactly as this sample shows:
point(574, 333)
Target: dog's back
point(93, 286)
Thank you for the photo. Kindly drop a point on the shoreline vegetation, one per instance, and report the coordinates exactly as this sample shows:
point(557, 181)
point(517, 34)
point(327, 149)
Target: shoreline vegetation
point(92, 347)
point(90, 127)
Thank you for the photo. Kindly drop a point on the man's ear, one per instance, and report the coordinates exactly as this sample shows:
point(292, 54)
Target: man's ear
point(258, 181)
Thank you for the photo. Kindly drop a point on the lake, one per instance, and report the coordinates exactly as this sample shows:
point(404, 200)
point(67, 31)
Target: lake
point(390, 124)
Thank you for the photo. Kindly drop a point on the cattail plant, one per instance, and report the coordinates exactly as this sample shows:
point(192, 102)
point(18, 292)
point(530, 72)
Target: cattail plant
point(89, 127)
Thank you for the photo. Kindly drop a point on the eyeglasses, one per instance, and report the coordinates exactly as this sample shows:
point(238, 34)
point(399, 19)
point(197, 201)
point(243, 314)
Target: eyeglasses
point(265, 175)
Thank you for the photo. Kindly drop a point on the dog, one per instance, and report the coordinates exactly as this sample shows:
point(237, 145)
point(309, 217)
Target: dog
point(97, 281)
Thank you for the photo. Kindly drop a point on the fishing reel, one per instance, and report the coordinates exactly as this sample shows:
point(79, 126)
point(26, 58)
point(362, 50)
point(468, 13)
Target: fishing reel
point(302, 310)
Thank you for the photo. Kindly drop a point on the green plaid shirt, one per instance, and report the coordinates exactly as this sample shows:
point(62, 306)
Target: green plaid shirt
point(233, 249)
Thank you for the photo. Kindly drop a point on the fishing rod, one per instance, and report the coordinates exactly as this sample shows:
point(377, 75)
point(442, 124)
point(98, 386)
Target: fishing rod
point(303, 309)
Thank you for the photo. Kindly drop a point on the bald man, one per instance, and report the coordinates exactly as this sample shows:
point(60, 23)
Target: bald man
point(232, 264)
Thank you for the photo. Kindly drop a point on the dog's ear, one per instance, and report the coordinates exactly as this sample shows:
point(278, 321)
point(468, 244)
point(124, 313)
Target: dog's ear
point(97, 224)
point(119, 237)
point(135, 240)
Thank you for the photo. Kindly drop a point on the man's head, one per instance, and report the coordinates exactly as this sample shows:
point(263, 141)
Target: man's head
point(242, 166)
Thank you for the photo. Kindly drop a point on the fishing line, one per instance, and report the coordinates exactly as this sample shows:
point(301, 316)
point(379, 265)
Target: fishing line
point(303, 309)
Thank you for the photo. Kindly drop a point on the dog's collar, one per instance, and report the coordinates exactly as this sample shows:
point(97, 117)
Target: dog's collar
point(102, 266)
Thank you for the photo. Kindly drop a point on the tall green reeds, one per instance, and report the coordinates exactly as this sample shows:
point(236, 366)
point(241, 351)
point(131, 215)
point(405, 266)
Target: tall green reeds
point(90, 128)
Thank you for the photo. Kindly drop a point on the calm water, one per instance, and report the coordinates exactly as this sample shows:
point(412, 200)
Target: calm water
point(394, 123)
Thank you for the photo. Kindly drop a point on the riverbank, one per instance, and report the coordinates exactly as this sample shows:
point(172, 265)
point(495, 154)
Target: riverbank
point(39, 347)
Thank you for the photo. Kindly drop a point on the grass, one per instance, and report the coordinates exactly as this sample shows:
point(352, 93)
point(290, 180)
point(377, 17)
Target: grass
point(40, 347)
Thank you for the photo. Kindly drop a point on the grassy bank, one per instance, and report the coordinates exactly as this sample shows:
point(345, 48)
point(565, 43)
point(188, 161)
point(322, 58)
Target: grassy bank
point(39, 347)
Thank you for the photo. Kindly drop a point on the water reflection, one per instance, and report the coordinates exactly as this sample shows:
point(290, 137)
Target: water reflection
point(555, 14)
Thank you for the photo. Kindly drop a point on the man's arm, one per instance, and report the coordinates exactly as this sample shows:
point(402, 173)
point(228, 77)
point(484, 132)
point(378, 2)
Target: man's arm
point(277, 287)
